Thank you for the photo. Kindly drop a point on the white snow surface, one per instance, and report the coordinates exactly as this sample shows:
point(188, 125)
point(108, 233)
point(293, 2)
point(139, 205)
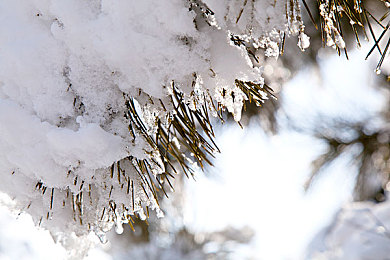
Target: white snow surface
point(48, 150)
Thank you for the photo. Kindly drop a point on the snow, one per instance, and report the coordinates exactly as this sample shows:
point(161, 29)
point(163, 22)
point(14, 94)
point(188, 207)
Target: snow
point(67, 70)
point(90, 144)
point(20, 240)
point(333, 35)
point(43, 136)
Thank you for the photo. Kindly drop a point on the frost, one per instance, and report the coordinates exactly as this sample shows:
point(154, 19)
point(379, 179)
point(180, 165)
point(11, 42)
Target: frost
point(266, 21)
point(333, 36)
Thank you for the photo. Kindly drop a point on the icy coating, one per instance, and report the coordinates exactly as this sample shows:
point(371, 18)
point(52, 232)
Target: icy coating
point(68, 71)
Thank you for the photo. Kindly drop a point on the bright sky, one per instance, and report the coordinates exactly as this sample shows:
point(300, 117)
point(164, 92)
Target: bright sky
point(259, 179)
point(260, 184)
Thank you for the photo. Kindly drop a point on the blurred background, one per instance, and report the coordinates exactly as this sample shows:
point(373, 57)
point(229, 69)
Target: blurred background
point(306, 178)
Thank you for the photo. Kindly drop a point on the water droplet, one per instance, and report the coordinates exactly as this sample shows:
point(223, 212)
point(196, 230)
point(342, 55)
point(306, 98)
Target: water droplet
point(102, 237)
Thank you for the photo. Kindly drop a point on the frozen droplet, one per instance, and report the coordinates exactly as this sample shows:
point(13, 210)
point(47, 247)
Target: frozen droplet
point(160, 213)
point(303, 41)
point(141, 214)
point(378, 71)
point(118, 227)
point(102, 237)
